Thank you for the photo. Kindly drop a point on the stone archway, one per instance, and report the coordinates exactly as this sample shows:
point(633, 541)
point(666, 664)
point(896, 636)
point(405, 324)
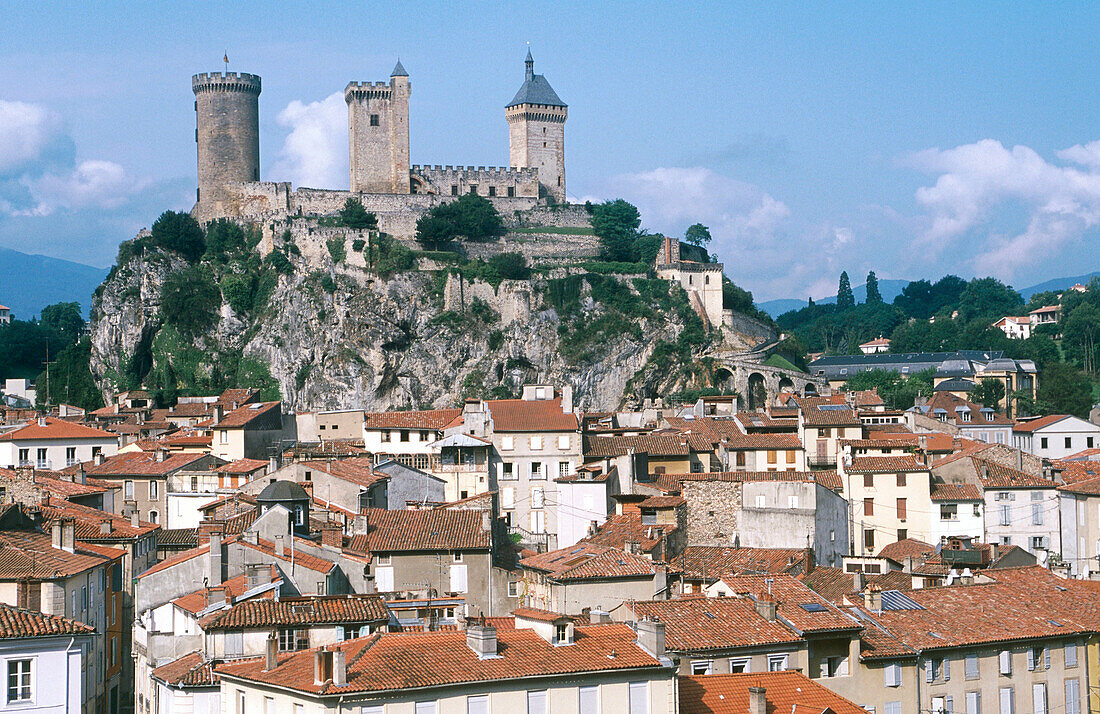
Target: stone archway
point(757, 392)
point(810, 390)
point(725, 380)
point(786, 384)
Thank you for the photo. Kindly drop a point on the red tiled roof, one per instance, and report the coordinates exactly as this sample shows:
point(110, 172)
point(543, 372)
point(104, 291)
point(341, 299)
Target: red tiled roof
point(395, 531)
point(31, 555)
point(62, 487)
point(1021, 604)
point(331, 609)
point(140, 463)
point(813, 415)
point(17, 623)
point(708, 623)
point(197, 601)
point(241, 466)
point(884, 464)
point(392, 661)
point(898, 551)
point(774, 442)
point(240, 396)
point(620, 528)
point(651, 444)
point(89, 522)
point(358, 470)
point(834, 584)
point(955, 492)
point(788, 692)
point(994, 475)
point(790, 594)
point(1026, 427)
point(950, 402)
point(585, 561)
point(56, 429)
point(530, 415)
point(190, 670)
point(534, 613)
point(715, 561)
point(245, 415)
point(1089, 487)
point(431, 419)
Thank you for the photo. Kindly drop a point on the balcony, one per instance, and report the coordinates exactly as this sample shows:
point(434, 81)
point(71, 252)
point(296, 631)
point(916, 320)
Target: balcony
point(814, 459)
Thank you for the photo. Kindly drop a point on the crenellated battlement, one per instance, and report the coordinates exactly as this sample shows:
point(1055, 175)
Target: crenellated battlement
point(367, 90)
point(536, 112)
point(226, 82)
point(471, 172)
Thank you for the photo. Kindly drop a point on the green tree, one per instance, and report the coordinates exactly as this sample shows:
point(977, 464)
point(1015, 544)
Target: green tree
point(224, 238)
point(338, 249)
point(844, 297)
point(470, 216)
point(510, 266)
point(190, 300)
point(697, 234)
point(70, 380)
point(353, 215)
point(1080, 331)
point(616, 224)
point(874, 297)
point(1064, 389)
point(988, 299)
point(1041, 299)
point(989, 393)
point(64, 320)
point(179, 232)
point(646, 247)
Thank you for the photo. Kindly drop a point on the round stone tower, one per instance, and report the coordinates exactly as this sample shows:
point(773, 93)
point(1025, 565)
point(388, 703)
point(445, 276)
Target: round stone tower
point(228, 136)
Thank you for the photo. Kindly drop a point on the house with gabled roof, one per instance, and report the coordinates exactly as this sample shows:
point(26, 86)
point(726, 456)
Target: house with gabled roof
point(251, 431)
point(1055, 436)
point(46, 658)
point(53, 444)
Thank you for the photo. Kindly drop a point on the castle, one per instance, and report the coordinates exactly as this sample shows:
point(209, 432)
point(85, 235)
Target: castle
point(380, 174)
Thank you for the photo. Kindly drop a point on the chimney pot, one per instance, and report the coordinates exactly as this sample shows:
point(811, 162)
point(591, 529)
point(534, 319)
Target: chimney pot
point(339, 668)
point(766, 608)
point(872, 598)
point(271, 659)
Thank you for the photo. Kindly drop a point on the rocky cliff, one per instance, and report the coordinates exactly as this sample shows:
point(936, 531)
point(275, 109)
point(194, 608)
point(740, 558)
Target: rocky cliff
point(330, 330)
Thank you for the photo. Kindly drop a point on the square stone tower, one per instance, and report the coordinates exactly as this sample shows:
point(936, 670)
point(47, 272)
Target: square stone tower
point(536, 131)
point(378, 134)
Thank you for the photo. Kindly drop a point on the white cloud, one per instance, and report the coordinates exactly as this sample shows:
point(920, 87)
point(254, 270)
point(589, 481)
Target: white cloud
point(26, 130)
point(315, 152)
point(980, 183)
point(92, 184)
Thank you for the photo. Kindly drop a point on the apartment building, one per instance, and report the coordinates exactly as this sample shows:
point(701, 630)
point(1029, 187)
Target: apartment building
point(889, 498)
point(51, 444)
point(822, 423)
point(1055, 436)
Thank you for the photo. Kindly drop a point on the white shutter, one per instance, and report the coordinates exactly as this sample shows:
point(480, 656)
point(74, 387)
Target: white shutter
point(458, 578)
point(1030, 659)
point(508, 498)
point(1039, 698)
point(1007, 703)
point(1006, 662)
point(1071, 654)
point(892, 708)
point(973, 703)
point(589, 700)
point(639, 698)
point(1073, 697)
point(1046, 658)
point(536, 702)
point(928, 673)
point(971, 666)
point(425, 707)
point(946, 669)
point(477, 704)
point(383, 579)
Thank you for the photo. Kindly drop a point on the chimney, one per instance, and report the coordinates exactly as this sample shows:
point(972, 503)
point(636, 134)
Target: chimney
point(135, 521)
point(567, 398)
point(42, 421)
point(218, 414)
point(214, 577)
point(859, 581)
point(339, 668)
point(631, 546)
point(482, 639)
point(280, 549)
point(55, 533)
point(99, 458)
point(271, 652)
point(216, 596)
point(598, 617)
point(80, 476)
point(105, 527)
point(660, 579)
point(872, 598)
point(651, 637)
point(486, 521)
point(758, 702)
point(766, 608)
point(162, 454)
point(322, 666)
point(272, 465)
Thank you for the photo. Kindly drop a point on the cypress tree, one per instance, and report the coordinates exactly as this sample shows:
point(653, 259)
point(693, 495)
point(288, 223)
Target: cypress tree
point(874, 297)
point(844, 297)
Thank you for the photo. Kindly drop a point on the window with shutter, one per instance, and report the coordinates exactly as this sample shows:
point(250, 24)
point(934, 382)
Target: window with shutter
point(1073, 697)
point(891, 708)
point(1006, 662)
point(1071, 654)
point(972, 666)
point(946, 669)
point(1007, 701)
point(1039, 698)
point(425, 707)
point(973, 703)
point(477, 705)
point(588, 700)
point(639, 698)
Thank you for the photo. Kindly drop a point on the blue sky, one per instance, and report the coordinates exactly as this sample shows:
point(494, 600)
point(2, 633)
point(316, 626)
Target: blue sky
point(811, 138)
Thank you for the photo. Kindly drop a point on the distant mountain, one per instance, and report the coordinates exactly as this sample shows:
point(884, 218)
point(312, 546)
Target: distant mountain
point(889, 289)
point(29, 283)
point(1057, 284)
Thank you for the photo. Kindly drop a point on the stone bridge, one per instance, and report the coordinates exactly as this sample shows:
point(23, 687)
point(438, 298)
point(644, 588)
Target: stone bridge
point(759, 384)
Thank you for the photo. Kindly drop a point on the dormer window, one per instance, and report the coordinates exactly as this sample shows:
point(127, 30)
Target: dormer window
point(563, 633)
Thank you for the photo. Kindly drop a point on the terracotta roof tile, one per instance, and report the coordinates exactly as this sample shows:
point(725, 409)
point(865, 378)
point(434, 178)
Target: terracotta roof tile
point(715, 561)
point(834, 584)
point(621, 528)
point(242, 466)
point(431, 419)
point(331, 609)
point(1026, 427)
point(17, 623)
point(140, 463)
point(530, 415)
point(584, 561)
point(898, 551)
point(356, 470)
point(810, 409)
point(245, 415)
point(392, 661)
point(90, 522)
point(788, 692)
point(955, 492)
point(56, 429)
point(395, 531)
point(994, 475)
point(190, 670)
point(790, 595)
point(651, 444)
point(197, 601)
point(1088, 487)
point(708, 623)
point(31, 555)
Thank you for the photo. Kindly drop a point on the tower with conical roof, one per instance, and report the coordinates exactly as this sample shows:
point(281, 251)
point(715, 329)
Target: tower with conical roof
point(536, 131)
point(378, 134)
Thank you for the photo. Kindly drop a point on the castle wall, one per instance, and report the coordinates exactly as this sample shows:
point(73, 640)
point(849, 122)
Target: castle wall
point(489, 182)
point(541, 247)
point(227, 136)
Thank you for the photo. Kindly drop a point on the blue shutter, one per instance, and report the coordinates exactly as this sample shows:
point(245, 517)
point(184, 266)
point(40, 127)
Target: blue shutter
point(946, 670)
